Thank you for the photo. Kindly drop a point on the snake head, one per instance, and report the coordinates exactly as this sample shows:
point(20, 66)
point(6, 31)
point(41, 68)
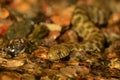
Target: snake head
point(58, 51)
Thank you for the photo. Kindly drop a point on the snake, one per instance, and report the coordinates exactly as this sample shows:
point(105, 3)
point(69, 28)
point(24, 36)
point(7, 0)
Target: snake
point(85, 20)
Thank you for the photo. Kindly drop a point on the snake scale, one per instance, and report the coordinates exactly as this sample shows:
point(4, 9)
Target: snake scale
point(84, 20)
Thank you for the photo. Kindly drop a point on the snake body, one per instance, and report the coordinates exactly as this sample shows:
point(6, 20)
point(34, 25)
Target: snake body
point(83, 23)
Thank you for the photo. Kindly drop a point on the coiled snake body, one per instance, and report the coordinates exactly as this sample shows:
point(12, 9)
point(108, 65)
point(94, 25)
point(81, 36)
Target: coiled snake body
point(83, 23)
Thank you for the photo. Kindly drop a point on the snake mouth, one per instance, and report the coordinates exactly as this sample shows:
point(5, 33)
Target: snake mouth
point(52, 57)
